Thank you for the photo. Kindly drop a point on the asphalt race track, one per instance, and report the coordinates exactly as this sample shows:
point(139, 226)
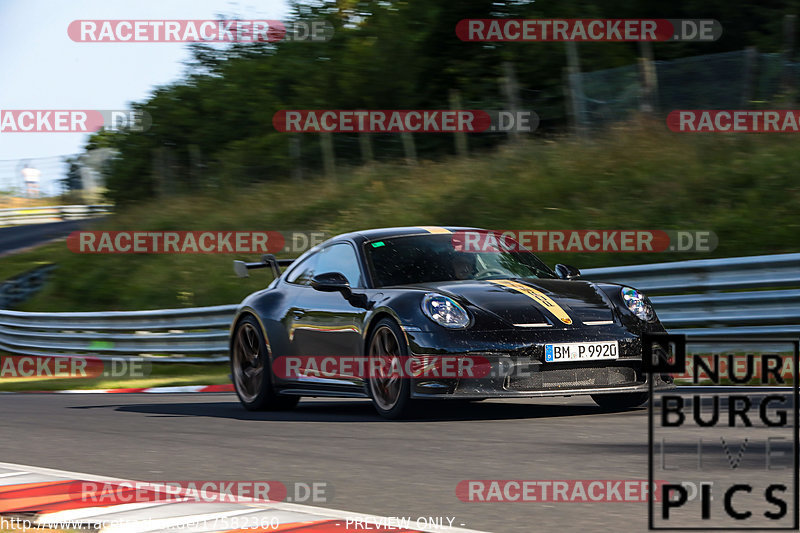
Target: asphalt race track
point(15, 238)
point(408, 468)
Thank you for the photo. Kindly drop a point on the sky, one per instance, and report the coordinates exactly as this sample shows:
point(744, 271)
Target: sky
point(41, 68)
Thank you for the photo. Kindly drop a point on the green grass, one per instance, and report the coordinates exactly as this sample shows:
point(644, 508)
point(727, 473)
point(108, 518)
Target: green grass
point(160, 375)
point(745, 188)
point(11, 265)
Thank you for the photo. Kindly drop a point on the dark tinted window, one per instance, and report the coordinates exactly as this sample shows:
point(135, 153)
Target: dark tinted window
point(429, 258)
point(340, 258)
point(304, 271)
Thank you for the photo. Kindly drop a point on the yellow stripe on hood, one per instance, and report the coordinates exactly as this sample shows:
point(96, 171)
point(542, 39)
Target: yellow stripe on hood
point(540, 298)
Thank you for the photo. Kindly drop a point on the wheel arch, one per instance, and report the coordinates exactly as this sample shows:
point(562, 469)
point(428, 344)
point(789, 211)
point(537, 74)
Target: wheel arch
point(377, 316)
point(241, 315)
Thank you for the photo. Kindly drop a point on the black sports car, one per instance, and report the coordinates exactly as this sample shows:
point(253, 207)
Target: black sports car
point(408, 294)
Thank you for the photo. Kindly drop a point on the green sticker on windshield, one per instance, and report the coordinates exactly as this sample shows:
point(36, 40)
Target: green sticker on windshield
point(378, 244)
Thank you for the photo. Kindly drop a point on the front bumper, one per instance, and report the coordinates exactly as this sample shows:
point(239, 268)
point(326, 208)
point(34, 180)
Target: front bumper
point(518, 369)
point(535, 380)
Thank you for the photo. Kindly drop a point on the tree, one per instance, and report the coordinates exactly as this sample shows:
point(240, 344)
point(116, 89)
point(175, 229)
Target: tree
point(73, 180)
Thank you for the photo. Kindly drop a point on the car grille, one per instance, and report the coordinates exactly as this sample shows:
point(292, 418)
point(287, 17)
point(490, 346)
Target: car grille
point(576, 377)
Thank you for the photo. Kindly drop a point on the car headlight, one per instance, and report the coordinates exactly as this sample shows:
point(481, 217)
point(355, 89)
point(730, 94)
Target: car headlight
point(444, 311)
point(638, 303)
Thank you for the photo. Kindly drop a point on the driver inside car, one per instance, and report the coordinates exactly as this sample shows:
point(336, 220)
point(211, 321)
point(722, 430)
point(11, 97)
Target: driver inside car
point(464, 265)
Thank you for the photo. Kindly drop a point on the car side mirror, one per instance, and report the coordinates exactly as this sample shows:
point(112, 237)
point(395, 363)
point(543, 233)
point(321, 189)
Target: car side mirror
point(567, 272)
point(331, 282)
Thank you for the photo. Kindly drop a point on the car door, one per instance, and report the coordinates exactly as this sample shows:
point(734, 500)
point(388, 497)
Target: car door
point(327, 323)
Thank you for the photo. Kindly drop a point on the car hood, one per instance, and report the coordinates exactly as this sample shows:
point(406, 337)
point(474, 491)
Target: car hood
point(525, 302)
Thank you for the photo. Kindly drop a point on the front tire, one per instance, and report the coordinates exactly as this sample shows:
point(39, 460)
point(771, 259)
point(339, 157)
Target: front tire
point(620, 401)
point(252, 372)
point(390, 394)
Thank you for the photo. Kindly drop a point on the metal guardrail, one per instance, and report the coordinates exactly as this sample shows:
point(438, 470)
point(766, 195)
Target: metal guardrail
point(189, 335)
point(763, 297)
point(201, 334)
point(57, 213)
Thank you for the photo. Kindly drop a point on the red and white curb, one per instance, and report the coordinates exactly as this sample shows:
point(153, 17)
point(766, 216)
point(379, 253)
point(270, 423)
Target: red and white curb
point(228, 387)
point(47, 498)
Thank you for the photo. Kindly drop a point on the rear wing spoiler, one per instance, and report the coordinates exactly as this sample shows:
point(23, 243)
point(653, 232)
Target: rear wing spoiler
point(241, 268)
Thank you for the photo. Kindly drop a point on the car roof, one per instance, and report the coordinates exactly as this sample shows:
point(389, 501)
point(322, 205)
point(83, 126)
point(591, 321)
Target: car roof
point(362, 236)
point(386, 233)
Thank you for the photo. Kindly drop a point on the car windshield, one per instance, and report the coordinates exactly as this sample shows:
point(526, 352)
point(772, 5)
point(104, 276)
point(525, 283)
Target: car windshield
point(428, 258)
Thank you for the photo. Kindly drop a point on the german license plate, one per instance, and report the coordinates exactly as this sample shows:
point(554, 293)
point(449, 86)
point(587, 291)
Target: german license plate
point(581, 351)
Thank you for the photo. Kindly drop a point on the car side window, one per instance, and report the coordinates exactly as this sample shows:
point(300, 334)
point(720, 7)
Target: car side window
point(340, 258)
point(304, 271)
